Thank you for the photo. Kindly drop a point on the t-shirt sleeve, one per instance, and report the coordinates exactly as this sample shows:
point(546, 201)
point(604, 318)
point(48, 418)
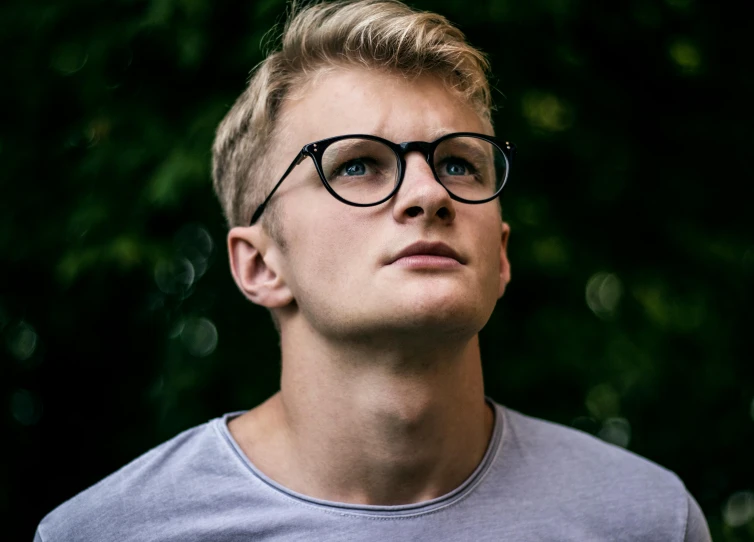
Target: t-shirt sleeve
point(696, 525)
point(38, 536)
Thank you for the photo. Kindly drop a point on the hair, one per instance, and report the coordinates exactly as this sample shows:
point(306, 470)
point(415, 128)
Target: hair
point(376, 34)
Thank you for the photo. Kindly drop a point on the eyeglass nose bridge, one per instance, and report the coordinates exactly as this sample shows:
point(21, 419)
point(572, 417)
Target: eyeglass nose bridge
point(426, 149)
point(416, 146)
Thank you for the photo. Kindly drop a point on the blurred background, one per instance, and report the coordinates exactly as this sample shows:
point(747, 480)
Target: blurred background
point(629, 313)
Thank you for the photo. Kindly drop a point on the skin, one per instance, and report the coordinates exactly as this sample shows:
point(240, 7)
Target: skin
point(381, 399)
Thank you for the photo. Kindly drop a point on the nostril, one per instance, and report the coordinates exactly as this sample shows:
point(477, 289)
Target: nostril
point(414, 211)
point(443, 213)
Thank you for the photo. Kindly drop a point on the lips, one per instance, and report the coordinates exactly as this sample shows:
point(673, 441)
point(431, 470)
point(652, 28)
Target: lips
point(424, 248)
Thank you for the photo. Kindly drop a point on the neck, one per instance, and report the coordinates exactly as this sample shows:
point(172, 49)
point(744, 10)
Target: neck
point(371, 426)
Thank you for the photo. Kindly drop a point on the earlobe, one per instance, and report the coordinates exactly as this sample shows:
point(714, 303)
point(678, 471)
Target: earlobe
point(255, 267)
point(505, 266)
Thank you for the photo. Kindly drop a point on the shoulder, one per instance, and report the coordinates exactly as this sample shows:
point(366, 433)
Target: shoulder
point(561, 450)
point(162, 482)
point(606, 487)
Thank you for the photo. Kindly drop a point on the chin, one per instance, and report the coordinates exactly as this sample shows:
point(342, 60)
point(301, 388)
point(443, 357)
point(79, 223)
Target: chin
point(431, 311)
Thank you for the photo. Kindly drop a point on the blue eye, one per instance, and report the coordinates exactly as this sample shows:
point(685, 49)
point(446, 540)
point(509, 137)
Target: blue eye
point(354, 168)
point(456, 168)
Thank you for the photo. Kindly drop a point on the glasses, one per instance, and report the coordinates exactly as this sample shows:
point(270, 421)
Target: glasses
point(366, 170)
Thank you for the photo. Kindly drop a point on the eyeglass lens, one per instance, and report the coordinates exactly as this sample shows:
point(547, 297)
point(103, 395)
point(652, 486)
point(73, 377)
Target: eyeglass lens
point(366, 171)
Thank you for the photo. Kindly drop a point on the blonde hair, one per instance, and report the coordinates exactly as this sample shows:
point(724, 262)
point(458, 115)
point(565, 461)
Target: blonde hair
point(377, 34)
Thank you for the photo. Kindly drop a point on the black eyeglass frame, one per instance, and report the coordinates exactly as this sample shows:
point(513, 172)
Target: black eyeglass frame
point(316, 150)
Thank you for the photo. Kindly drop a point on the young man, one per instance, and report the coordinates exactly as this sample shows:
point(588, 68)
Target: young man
point(359, 174)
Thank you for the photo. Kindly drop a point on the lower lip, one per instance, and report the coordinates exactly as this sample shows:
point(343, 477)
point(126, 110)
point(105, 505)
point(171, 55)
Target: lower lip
point(427, 261)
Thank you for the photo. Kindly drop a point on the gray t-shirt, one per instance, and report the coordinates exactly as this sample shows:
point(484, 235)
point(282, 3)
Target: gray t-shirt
point(537, 481)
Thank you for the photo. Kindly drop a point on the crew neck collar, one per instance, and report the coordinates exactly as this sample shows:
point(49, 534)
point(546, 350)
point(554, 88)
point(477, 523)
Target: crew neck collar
point(402, 510)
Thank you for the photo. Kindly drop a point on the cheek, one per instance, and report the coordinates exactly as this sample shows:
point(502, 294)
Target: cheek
point(327, 256)
point(492, 271)
point(490, 242)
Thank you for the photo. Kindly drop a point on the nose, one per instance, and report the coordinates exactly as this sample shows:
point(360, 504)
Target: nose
point(421, 197)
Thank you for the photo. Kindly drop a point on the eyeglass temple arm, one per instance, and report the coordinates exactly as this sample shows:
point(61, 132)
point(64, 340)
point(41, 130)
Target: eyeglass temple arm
point(260, 209)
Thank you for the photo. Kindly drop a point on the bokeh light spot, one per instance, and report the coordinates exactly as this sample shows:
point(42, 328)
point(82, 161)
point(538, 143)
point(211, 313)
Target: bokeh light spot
point(199, 336)
point(738, 510)
point(97, 130)
point(550, 253)
point(602, 401)
point(22, 341)
point(177, 329)
point(25, 407)
point(174, 276)
point(686, 55)
point(547, 111)
point(616, 431)
point(603, 293)
point(668, 310)
point(195, 243)
point(69, 58)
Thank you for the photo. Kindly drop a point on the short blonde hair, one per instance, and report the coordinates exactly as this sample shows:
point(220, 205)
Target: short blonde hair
point(377, 34)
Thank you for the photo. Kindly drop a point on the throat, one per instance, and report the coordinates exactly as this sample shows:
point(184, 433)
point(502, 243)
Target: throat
point(361, 433)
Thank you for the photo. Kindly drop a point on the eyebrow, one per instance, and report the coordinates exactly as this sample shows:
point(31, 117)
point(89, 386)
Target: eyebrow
point(439, 132)
point(434, 134)
point(477, 152)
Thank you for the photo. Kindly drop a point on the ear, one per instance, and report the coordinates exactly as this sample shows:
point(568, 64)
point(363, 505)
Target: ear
point(505, 266)
point(256, 265)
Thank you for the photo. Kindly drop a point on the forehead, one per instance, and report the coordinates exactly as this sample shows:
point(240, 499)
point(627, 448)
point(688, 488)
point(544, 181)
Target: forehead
point(357, 100)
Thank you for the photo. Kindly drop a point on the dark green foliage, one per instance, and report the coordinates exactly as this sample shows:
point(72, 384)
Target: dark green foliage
point(629, 314)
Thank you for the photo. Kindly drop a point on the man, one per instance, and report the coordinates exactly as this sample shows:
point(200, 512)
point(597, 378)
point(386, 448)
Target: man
point(359, 173)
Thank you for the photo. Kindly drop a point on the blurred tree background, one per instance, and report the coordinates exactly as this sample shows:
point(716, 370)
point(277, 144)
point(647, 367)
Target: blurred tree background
point(629, 314)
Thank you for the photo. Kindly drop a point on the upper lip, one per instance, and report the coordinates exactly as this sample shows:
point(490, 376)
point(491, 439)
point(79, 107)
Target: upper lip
point(426, 248)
